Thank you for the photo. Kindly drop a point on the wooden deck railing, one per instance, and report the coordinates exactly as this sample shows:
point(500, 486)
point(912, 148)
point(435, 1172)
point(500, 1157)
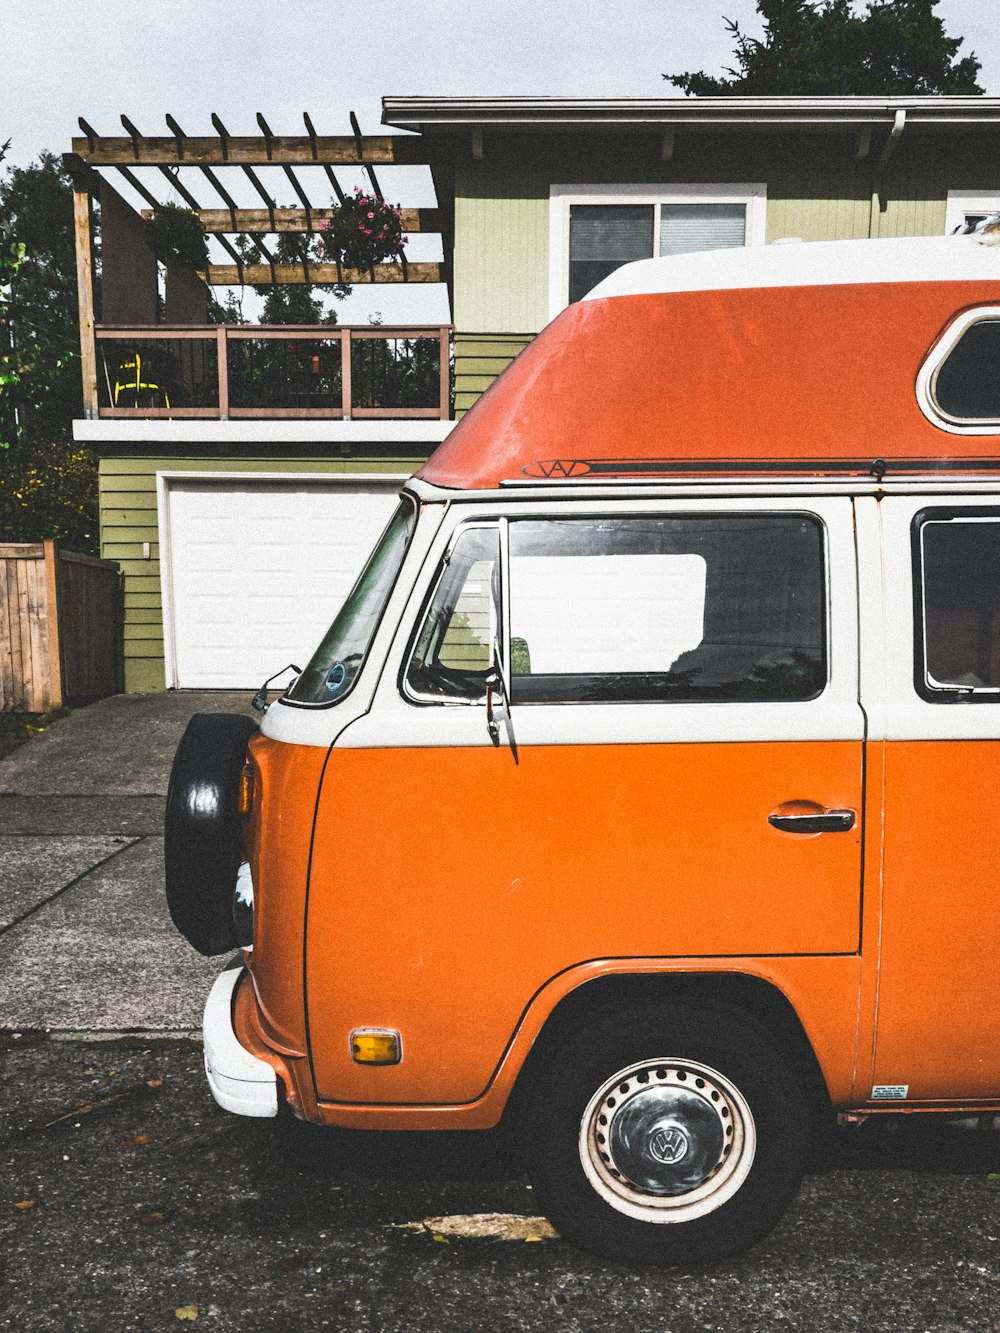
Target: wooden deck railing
point(279, 371)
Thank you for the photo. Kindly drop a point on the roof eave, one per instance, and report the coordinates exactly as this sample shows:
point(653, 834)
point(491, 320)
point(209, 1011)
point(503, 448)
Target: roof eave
point(430, 115)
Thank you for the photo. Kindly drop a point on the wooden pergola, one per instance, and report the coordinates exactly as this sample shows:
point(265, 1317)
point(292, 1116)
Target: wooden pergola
point(199, 170)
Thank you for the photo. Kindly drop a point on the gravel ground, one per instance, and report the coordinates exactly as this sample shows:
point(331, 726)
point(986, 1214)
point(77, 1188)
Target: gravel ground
point(128, 1200)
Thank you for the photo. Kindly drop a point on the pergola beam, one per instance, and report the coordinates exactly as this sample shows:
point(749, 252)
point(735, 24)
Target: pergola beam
point(235, 255)
point(139, 188)
point(217, 150)
point(178, 133)
point(83, 176)
point(226, 198)
point(359, 143)
point(332, 178)
point(258, 275)
point(223, 221)
point(174, 178)
point(296, 185)
point(254, 180)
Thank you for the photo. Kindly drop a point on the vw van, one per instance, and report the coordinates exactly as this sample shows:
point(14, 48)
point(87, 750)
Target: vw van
point(644, 790)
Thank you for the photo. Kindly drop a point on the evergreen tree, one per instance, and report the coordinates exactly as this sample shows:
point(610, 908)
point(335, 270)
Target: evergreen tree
point(40, 381)
point(826, 48)
point(48, 484)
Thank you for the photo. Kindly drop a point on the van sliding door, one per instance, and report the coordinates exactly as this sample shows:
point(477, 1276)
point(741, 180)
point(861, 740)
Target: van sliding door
point(938, 1021)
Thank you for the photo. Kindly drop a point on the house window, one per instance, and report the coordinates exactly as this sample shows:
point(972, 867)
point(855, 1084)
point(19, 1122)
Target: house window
point(594, 231)
point(969, 206)
point(602, 237)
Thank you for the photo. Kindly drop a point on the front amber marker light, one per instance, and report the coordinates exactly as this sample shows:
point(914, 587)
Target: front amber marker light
point(376, 1046)
point(245, 798)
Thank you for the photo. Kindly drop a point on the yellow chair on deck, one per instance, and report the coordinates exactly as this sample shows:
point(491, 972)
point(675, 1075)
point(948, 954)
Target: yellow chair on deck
point(134, 383)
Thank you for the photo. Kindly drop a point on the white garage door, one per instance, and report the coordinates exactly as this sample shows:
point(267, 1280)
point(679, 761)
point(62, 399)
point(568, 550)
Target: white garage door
point(255, 572)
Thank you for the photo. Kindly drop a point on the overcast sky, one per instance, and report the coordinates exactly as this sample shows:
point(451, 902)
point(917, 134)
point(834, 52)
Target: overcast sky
point(99, 58)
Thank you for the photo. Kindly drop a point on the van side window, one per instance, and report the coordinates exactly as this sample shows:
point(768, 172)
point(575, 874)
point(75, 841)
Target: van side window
point(722, 608)
point(966, 386)
point(455, 647)
point(958, 639)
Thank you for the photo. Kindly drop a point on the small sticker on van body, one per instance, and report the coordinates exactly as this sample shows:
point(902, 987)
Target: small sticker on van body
point(890, 1092)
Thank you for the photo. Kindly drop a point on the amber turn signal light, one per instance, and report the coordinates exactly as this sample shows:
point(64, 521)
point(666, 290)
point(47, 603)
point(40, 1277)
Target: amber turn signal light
point(376, 1046)
point(245, 798)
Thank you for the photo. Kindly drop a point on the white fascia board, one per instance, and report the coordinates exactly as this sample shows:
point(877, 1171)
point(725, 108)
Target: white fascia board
point(702, 113)
point(126, 430)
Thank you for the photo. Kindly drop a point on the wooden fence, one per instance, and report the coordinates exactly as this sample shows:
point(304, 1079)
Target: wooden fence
point(61, 620)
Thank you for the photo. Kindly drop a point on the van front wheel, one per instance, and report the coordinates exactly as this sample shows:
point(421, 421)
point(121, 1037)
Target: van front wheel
point(666, 1133)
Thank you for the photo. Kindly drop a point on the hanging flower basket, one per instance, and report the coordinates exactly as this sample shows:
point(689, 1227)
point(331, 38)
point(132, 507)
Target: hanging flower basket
point(364, 231)
point(177, 237)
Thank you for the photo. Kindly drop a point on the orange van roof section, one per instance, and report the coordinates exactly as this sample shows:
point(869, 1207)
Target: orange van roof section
point(797, 357)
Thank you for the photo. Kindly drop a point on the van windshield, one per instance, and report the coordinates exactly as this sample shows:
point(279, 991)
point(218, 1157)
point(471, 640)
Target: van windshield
point(337, 662)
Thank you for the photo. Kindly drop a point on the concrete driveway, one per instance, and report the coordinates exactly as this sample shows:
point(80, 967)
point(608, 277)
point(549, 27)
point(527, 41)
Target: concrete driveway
point(86, 943)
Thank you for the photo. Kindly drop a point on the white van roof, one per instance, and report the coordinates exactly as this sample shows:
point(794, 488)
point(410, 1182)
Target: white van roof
point(811, 264)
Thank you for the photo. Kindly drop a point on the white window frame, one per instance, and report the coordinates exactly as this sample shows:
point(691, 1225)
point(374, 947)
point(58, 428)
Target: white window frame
point(561, 197)
point(962, 202)
point(927, 375)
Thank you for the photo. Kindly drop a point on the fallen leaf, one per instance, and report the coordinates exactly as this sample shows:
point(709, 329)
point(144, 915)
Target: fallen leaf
point(154, 1082)
point(484, 1226)
point(85, 1107)
point(137, 1142)
point(152, 1219)
point(112, 1073)
point(25, 1204)
point(186, 1312)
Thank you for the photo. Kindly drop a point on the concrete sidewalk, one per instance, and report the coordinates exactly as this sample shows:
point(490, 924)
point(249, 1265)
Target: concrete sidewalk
point(86, 942)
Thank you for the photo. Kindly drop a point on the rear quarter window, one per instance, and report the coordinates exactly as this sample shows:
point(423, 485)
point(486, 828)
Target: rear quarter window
point(959, 385)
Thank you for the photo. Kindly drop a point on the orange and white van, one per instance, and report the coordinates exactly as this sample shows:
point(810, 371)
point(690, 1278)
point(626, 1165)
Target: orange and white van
point(645, 787)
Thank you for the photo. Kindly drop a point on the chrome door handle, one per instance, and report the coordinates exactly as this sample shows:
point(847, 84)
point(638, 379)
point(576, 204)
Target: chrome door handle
point(826, 821)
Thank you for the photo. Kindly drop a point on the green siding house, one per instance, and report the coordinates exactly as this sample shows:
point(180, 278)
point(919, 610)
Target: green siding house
point(240, 503)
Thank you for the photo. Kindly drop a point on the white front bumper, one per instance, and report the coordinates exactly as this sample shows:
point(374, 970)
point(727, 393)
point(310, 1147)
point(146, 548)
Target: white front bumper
point(239, 1081)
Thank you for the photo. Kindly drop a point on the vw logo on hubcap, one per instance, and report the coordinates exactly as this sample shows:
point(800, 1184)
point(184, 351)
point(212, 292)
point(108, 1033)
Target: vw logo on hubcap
point(668, 1144)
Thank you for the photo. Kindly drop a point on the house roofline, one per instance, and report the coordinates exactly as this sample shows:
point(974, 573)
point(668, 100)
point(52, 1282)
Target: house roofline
point(431, 115)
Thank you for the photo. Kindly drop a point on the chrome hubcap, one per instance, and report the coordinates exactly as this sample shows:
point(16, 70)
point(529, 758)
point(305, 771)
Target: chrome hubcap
point(667, 1140)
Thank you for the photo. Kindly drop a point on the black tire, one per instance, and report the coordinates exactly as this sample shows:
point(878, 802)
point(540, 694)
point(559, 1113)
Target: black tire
point(653, 1081)
point(203, 831)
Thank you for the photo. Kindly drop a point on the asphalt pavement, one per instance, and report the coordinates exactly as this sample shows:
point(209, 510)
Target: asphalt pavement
point(129, 1200)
